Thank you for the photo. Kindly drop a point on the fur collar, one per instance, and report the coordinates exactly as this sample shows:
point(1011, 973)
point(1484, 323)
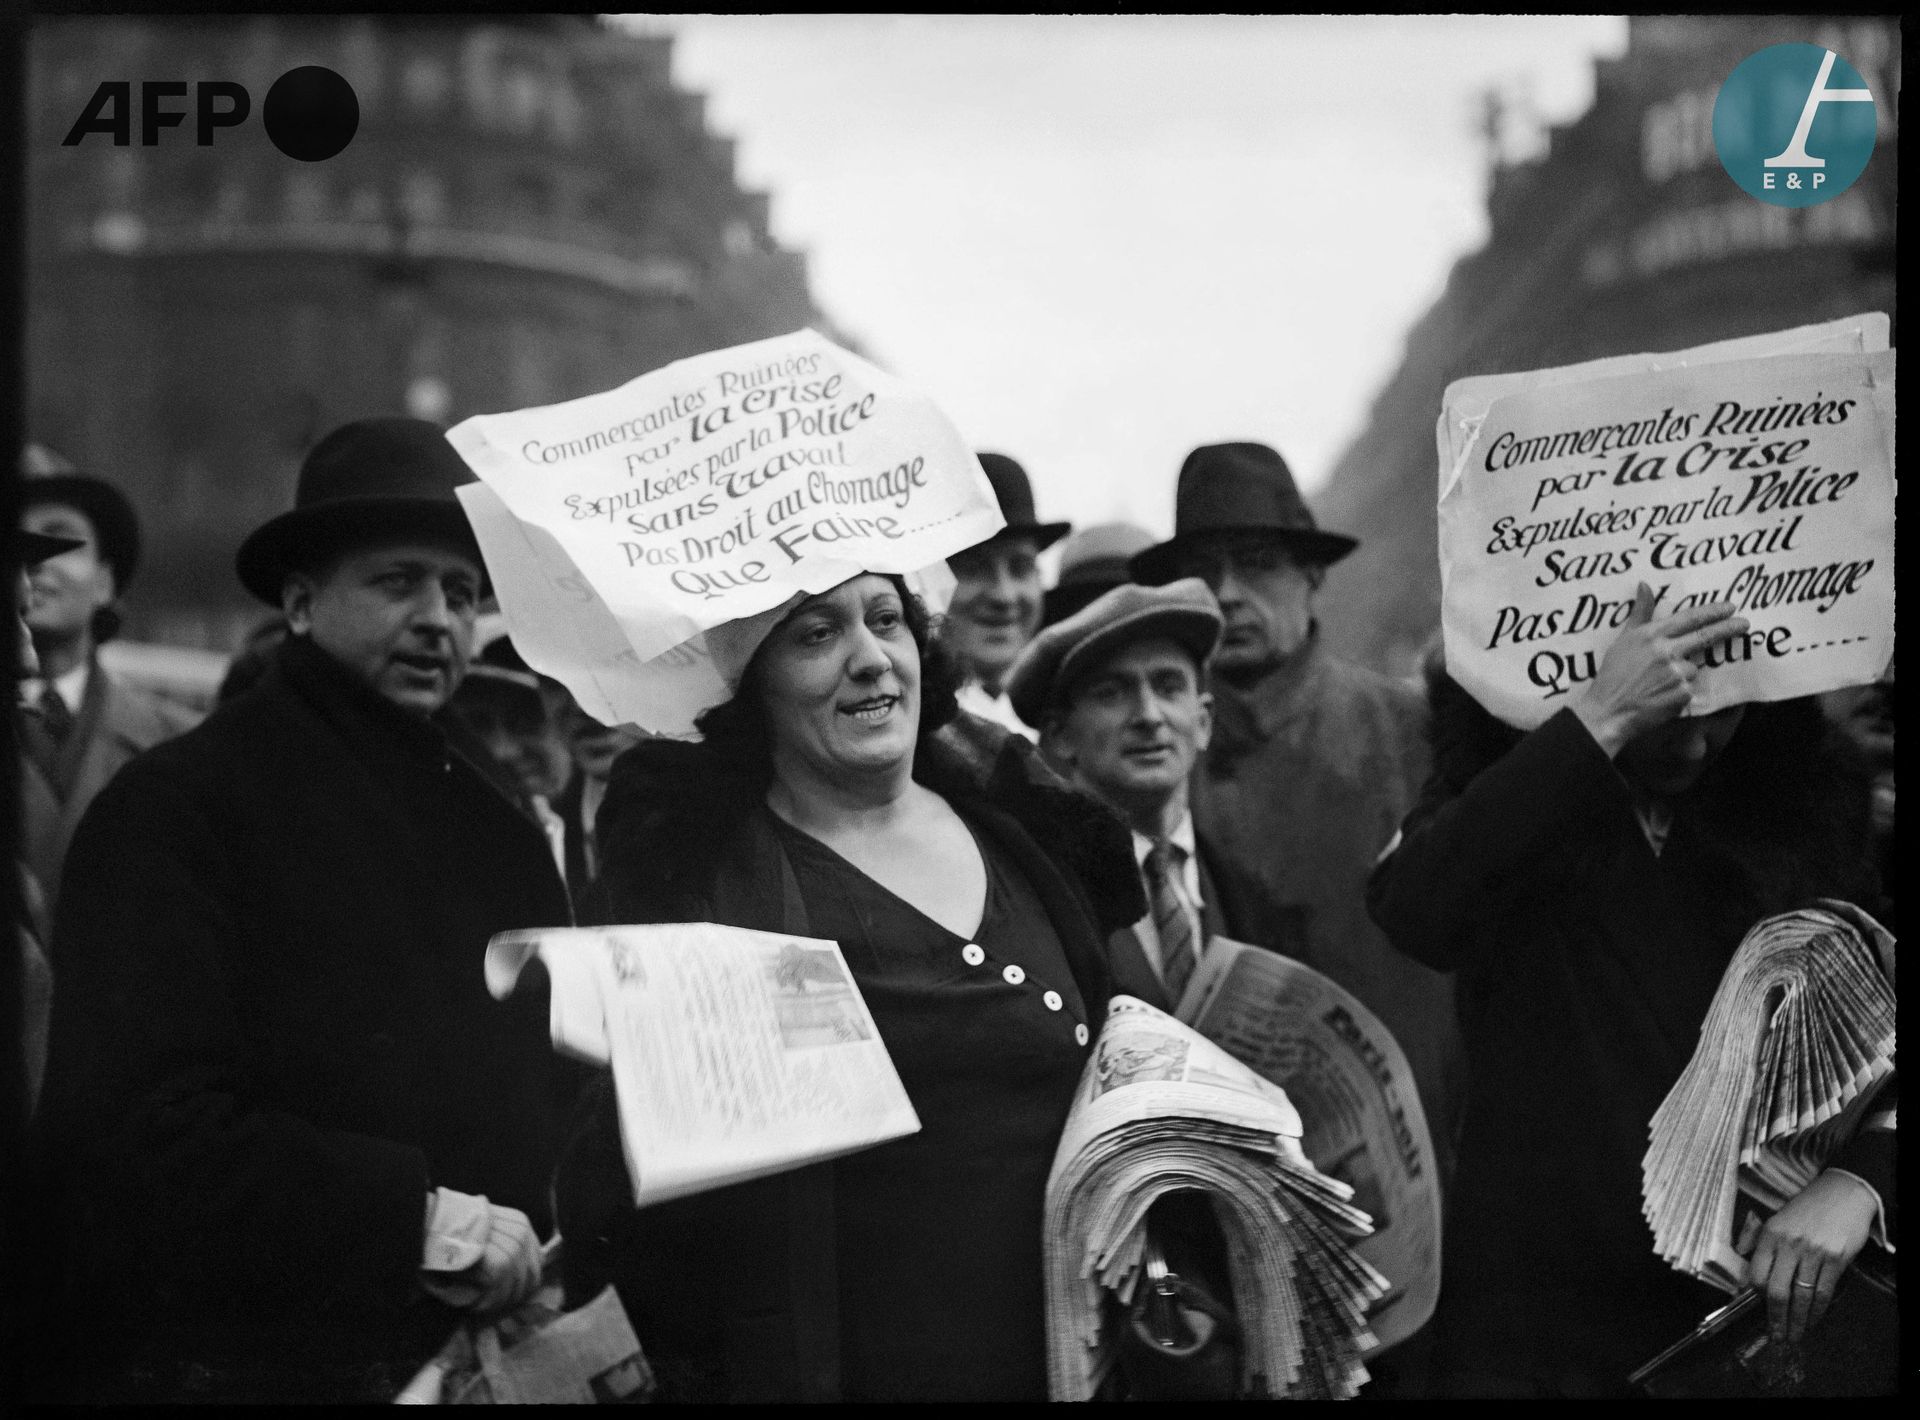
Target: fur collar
point(672, 807)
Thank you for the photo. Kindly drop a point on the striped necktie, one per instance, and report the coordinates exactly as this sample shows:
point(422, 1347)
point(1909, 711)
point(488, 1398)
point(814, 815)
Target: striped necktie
point(1172, 916)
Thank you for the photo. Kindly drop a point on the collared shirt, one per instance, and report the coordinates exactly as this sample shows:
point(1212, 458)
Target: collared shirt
point(72, 686)
point(1144, 929)
point(974, 699)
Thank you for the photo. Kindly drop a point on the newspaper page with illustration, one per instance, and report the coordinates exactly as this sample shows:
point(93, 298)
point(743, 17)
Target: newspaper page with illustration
point(735, 1053)
point(1361, 1118)
point(1161, 1109)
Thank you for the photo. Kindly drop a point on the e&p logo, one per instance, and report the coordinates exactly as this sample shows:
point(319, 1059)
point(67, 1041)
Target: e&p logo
point(311, 113)
point(1794, 125)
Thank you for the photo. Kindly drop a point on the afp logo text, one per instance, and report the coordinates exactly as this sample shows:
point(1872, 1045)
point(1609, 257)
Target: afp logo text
point(310, 113)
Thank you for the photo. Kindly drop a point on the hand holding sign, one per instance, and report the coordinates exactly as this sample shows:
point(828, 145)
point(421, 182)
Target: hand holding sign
point(1646, 676)
point(1754, 476)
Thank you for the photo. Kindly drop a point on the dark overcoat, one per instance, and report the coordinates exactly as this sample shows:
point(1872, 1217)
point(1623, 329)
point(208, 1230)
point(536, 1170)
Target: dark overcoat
point(114, 722)
point(1307, 777)
point(272, 1037)
point(734, 1292)
point(1586, 963)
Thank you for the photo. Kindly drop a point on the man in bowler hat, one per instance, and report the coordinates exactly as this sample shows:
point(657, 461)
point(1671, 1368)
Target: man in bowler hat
point(996, 605)
point(85, 723)
point(297, 1139)
point(1092, 563)
point(1313, 761)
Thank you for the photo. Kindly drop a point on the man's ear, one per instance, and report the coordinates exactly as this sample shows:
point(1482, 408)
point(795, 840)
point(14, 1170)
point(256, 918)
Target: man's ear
point(1203, 725)
point(296, 602)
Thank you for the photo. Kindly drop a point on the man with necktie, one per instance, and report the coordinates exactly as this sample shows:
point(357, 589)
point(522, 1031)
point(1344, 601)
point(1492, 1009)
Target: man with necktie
point(1116, 690)
point(83, 724)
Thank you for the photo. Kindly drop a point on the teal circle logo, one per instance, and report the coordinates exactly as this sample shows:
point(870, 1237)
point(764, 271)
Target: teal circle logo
point(1794, 125)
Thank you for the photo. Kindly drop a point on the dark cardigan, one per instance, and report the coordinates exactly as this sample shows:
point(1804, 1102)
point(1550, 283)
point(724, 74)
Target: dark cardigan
point(734, 1293)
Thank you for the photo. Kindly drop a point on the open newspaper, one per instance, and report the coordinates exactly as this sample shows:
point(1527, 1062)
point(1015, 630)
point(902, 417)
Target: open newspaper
point(1797, 1043)
point(1360, 1112)
point(1161, 1109)
point(735, 1053)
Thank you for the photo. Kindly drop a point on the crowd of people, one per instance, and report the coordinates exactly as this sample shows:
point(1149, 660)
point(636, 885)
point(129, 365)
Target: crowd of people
point(282, 1138)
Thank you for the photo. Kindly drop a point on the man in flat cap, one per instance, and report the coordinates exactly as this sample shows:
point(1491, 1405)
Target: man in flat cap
point(996, 605)
point(1118, 691)
point(1313, 761)
point(297, 1139)
point(85, 723)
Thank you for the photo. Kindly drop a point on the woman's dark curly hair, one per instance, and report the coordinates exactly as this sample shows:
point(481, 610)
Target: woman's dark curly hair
point(739, 732)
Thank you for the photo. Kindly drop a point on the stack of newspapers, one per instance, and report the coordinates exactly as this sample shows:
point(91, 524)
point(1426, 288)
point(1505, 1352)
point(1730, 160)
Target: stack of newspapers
point(1161, 1109)
point(1798, 1041)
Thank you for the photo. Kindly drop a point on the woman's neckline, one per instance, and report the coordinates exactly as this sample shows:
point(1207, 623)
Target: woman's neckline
point(840, 859)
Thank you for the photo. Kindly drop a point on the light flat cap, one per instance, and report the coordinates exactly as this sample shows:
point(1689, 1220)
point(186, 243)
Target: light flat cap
point(1183, 612)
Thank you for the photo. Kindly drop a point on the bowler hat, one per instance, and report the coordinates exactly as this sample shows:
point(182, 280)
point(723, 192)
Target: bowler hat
point(1014, 493)
point(1092, 561)
point(1228, 488)
point(366, 479)
point(47, 477)
point(1183, 611)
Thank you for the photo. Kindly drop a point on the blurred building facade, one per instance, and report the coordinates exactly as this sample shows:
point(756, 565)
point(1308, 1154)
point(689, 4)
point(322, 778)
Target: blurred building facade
point(530, 211)
point(1627, 235)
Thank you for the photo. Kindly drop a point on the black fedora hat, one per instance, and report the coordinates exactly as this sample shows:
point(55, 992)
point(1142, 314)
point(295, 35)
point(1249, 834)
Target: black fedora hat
point(1241, 487)
point(1014, 493)
point(370, 478)
point(46, 477)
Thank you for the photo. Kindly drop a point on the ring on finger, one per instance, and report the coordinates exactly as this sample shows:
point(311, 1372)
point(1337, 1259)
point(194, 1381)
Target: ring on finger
point(1809, 1285)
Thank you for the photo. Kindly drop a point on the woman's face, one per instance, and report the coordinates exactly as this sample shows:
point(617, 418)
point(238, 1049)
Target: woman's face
point(841, 677)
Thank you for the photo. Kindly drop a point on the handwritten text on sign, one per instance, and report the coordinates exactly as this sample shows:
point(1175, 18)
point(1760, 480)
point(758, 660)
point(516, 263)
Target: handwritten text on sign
point(722, 485)
point(1767, 483)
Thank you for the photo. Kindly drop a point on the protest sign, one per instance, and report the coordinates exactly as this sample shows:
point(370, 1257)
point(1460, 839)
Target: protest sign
point(642, 540)
point(1765, 480)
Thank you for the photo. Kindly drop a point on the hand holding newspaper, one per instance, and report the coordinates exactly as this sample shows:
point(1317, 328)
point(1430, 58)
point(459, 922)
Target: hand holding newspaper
point(1160, 1110)
point(1799, 1040)
point(735, 1053)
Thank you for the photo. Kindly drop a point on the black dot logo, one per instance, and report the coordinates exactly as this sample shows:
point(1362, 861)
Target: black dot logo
point(311, 113)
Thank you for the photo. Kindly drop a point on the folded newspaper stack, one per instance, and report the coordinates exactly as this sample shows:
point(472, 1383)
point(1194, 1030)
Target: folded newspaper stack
point(1161, 1109)
point(1798, 1041)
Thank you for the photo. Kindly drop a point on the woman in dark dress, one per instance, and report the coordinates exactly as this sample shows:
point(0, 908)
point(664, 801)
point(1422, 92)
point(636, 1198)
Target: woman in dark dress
point(974, 916)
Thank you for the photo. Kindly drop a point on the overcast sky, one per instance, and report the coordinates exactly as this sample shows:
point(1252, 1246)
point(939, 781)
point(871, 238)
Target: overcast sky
point(1099, 241)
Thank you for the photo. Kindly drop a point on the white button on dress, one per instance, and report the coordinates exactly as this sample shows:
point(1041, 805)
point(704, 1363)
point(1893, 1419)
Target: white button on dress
point(1080, 1033)
point(972, 955)
point(1052, 998)
point(1014, 975)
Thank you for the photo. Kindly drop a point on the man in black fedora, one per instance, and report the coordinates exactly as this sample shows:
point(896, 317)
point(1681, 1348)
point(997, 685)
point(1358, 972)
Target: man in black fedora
point(296, 1139)
point(996, 604)
point(1313, 761)
point(85, 722)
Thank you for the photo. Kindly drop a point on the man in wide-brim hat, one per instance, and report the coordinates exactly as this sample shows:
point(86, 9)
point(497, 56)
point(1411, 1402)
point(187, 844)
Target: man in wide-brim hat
point(303, 1138)
point(84, 722)
point(1313, 761)
point(996, 603)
